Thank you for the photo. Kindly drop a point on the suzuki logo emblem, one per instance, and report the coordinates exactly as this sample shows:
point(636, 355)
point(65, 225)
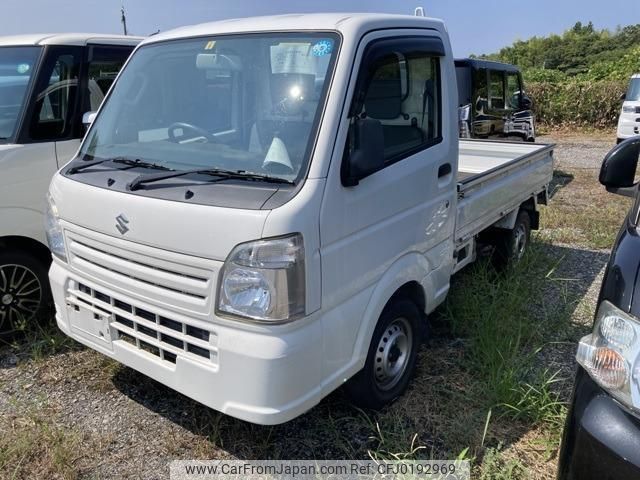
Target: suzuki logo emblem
point(121, 224)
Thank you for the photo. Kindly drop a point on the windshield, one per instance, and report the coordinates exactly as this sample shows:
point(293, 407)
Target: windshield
point(16, 68)
point(245, 103)
point(633, 94)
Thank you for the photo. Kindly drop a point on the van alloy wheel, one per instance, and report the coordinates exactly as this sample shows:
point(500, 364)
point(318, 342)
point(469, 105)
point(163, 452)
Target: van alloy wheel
point(20, 294)
point(392, 354)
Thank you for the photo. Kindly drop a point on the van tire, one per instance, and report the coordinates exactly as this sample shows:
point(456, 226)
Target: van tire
point(25, 294)
point(396, 337)
point(511, 245)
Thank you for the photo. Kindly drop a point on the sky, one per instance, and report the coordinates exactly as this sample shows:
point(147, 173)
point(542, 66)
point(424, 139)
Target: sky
point(474, 26)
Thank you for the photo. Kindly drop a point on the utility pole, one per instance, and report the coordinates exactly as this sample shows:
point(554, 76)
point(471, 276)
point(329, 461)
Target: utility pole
point(123, 19)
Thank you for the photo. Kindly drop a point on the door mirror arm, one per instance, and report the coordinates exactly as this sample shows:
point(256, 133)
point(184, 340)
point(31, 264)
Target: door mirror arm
point(624, 191)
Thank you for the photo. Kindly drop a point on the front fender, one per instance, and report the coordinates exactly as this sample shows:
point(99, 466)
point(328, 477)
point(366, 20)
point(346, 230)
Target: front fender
point(22, 222)
point(411, 267)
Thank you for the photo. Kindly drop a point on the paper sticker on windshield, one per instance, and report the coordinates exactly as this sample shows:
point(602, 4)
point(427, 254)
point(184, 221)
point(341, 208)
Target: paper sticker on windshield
point(322, 48)
point(210, 45)
point(292, 58)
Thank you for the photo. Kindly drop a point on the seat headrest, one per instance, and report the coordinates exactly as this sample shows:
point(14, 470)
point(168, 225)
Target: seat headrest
point(384, 98)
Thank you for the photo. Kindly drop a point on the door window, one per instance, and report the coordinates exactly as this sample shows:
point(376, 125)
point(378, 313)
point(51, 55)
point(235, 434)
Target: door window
point(102, 68)
point(513, 91)
point(55, 97)
point(496, 90)
point(399, 86)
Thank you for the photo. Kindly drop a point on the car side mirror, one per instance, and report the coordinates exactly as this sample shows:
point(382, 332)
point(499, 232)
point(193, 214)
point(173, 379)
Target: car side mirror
point(88, 118)
point(367, 153)
point(619, 166)
point(623, 97)
point(526, 103)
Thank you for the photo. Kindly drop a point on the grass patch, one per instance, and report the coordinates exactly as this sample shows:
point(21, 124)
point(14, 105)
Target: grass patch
point(583, 212)
point(33, 445)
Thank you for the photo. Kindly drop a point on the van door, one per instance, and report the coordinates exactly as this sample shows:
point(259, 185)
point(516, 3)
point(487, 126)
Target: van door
point(405, 208)
point(54, 105)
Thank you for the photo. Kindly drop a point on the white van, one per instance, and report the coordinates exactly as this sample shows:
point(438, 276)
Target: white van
point(47, 82)
point(266, 209)
point(629, 120)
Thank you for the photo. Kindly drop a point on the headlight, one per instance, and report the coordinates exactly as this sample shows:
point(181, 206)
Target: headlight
point(264, 280)
point(611, 354)
point(628, 109)
point(53, 230)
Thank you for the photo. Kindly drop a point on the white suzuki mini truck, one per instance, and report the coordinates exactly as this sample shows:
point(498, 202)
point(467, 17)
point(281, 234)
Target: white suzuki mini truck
point(47, 82)
point(266, 209)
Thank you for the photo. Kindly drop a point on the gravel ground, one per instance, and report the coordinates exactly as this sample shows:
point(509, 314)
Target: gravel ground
point(131, 426)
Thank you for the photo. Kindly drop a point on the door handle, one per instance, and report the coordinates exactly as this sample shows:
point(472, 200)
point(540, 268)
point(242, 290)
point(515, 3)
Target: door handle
point(444, 170)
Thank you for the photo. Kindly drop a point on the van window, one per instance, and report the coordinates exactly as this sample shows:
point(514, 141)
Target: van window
point(55, 98)
point(513, 91)
point(102, 68)
point(17, 65)
point(401, 91)
point(496, 89)
point(481, 102)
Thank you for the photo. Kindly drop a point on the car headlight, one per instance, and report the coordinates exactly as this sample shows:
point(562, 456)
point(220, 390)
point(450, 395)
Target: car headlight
point(628, 109)
point(611, 354)
point(53, 230)
point(264, 280)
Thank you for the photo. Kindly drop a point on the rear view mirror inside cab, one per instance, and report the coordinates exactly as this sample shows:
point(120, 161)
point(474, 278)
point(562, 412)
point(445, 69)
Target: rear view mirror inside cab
point(218, 61)
point(619, 167)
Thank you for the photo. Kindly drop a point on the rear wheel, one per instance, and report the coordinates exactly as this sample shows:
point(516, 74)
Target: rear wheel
point(391, 358)
point(511, 245)
point(25, 295)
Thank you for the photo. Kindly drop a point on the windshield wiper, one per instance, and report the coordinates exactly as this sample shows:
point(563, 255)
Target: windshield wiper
point(223, 174)
point(126, 161)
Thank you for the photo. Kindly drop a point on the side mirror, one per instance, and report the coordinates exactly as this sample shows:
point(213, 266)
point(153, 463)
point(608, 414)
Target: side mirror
point(88, 118)
point(526, 103)
point(619, 166)
point(623, 97)
point(367, 154)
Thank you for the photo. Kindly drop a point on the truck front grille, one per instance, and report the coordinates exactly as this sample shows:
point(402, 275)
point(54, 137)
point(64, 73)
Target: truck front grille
point(165, 278)
point(143, 329)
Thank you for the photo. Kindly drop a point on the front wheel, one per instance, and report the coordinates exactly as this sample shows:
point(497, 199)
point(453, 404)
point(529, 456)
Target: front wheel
point(391, 358)
point(25, 295)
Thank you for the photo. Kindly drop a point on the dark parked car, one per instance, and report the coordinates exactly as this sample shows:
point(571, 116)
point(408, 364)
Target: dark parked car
point(602, 435)
point(492, 101)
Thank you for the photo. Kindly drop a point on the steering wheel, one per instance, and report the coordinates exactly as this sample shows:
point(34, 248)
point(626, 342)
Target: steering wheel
point(201, 132)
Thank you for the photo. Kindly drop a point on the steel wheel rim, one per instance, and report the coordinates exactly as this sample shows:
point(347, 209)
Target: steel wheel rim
point(392, 354)
point(520, 241)
point(20, 294)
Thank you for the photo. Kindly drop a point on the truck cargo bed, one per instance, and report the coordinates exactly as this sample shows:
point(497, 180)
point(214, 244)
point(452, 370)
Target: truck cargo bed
point(494, 178)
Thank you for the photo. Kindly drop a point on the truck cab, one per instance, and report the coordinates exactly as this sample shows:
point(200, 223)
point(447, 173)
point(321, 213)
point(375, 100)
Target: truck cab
point(266, 209)
point(629, 119)
point(47, 82)
point(493, 103)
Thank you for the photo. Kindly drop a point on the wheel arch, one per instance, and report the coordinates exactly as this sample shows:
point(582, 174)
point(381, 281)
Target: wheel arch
point(28, 245)
point(408, 277)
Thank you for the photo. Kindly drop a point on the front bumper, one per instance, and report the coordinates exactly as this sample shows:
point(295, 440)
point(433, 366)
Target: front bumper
point(601, 440)
point(262, 375)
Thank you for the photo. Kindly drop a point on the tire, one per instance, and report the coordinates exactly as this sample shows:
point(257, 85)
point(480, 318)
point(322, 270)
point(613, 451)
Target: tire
point(25, 294)
point(383, 377)
point(511, 245)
